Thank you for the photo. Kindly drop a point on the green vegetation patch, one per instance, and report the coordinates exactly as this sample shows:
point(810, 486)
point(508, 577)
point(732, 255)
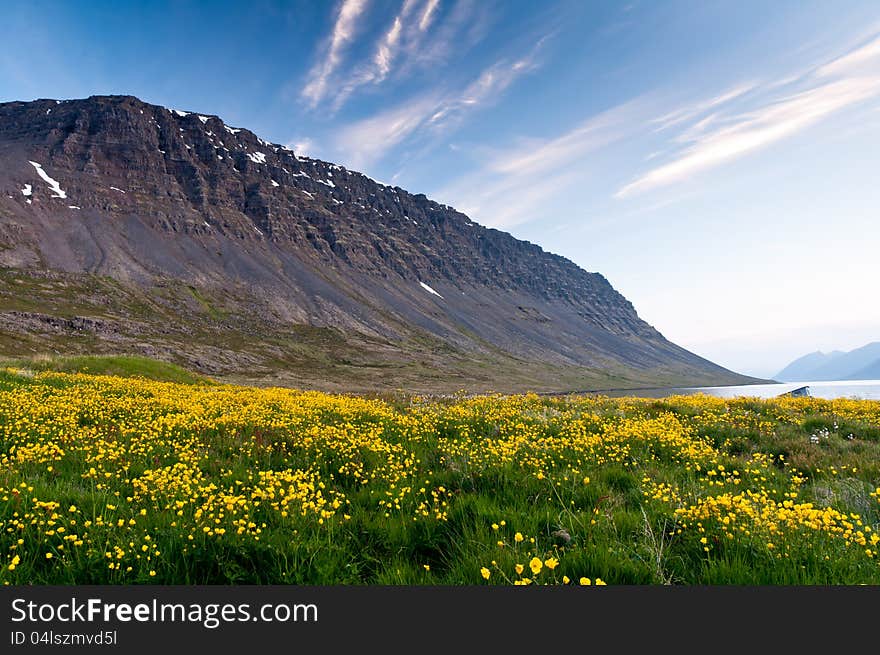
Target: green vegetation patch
point(133, 366)
point(114, 480)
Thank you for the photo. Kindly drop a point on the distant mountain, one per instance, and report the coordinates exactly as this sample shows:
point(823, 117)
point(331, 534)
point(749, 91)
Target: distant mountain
point(803, 367)
point(129, 227)
point(870, 372)
point(859, 364)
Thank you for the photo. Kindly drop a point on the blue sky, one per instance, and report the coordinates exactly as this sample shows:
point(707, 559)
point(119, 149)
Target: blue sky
point(717, 161)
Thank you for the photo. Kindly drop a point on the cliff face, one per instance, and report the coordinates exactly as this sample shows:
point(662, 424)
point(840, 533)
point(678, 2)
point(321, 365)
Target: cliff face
point(111, 188)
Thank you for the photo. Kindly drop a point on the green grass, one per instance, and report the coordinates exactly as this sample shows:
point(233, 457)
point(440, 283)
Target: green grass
point(205, 304)
point(172, 483)
point(133, 366)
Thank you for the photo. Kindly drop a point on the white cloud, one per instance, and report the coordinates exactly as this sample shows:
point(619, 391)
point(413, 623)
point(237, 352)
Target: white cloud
point(385, 52)
point(521, 184)
point(864, 58)
point(406, 45)
point(464, 25)
point(755, 130)
point(369, 139)
point(344, 30)
point(684, 114)
point(570, 147)
point(516, 185)
point(428, 14)
point(415, 39)
point(490, 84)
point(402, 27)
point(302, 146)
point(722, 137)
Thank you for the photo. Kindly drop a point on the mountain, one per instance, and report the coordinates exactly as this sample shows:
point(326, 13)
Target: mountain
point(129, 227)
point(870, 372)
point(859, 364)
point(848, 365)
point(803, 367)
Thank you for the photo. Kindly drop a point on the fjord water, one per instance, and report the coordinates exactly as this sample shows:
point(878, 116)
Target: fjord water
point(830, 389)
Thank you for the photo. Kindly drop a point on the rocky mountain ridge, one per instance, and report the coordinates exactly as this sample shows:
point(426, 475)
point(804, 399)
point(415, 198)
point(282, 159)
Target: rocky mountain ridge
point(212, 224)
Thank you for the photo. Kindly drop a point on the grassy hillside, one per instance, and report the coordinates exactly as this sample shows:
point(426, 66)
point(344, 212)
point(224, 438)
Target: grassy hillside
point(119, 480)
point(117, 365)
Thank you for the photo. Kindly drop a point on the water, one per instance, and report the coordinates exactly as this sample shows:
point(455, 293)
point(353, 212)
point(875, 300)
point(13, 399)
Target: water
point(864, 389)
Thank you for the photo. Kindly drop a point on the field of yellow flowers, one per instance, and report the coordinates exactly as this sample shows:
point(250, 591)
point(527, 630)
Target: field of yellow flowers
point(112, 480)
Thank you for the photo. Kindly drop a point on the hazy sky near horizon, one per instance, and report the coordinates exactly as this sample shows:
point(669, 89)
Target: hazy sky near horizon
point(718, 162)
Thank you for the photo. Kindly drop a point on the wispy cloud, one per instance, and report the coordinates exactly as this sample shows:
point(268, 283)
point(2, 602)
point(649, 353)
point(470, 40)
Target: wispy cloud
point(490, 84)
point(344, 30)
point(755, 130)
point(684, 114)
point(465, 24)
point(432, 114)
point(570, 147)
point(726, 135)
point(863, 59)
point(387, 49)
point(428, 14)
point(521, 184)
point(365, 141)
point(403, 28)
point(417, 37)
point(515, 185)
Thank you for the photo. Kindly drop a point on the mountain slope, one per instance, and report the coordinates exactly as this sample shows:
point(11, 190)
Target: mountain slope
point(128, 226)
point(870, 372)
point(859, 364)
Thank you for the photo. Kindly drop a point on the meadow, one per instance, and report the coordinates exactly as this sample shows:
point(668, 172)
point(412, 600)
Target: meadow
point(108, 479)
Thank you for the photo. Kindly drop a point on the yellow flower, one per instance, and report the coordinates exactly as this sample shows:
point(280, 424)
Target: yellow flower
point(427, 567)
point(565, 579)
point(485, 573)
point(586, 480)
point(585, 582)
point(152, 573)
point(518, 537)
point(519, 568)
point(49, 556)
point(494, 526)
point(551, 563)
point(600, 582)
point(536, 565)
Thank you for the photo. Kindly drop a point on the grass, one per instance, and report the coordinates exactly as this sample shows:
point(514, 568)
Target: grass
point(205, 304)
point(108, 479)
point(133, 366)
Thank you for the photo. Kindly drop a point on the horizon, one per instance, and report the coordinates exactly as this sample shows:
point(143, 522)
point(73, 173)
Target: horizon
point(704, 160)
